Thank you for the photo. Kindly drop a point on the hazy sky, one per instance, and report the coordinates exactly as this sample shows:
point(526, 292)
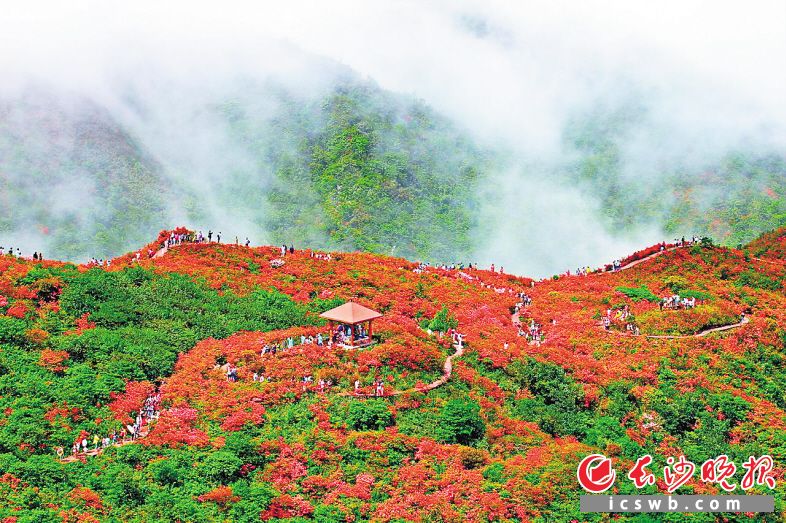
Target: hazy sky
point(714, 74)
point(498, 66)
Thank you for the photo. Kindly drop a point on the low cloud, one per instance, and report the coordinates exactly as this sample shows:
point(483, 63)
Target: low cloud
point(709, 76)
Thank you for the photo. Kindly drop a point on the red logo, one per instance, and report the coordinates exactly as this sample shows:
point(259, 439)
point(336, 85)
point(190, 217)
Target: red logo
point(677, 473)
point(639, 474)
point(719, 470)
point(595, 473)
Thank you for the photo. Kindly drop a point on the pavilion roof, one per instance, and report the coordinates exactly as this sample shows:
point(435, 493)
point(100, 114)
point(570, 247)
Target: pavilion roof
point(350, 313)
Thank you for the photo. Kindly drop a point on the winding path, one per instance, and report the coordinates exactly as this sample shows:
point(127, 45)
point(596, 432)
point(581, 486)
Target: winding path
point(447, 372)
point(699, 334)
point(95, 452)
point(642, 260)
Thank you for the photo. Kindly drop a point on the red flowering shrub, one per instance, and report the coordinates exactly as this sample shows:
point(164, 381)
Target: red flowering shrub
point(36, 336)
point(83, 324)
point(86, 497)
point(221, 496)
point(53, 359)
point(287, 506)
point(17, 310)
point(252, 413)
point(131, 401)
point(175, 427)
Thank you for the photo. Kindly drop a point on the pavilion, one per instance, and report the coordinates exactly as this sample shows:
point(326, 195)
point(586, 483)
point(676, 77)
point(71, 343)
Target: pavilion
point(354, 324)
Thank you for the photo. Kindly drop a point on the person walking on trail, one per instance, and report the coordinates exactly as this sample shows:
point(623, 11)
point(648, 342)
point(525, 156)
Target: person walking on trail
point(60, 452)
point(218, 238)
point(247, 242)
point(357, 386)
point(96, 439)
point(291, 249)
point(209, 236)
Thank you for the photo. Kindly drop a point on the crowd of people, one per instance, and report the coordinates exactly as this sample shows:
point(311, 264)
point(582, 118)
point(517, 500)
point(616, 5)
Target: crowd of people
point(321, 255)
point(307, 382)
point(423, 266)
point(618, 315)
point(682, 242)
point(533, 333)
point(344, 334)
point(99, 262)
point(458, 339)
point(18, 254)
point(149, 411)
point(199, 237)
point(675, 302)
point(289, 343)
point(524, 301)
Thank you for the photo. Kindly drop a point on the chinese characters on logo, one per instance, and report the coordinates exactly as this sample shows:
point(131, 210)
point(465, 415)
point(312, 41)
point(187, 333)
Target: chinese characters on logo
point(596, 473)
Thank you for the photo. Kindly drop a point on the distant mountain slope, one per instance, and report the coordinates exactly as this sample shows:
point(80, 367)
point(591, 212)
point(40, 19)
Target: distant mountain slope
point(73, 177)
point(353, 167)
point(381, 173)
point(345, 165)
point(732, 197)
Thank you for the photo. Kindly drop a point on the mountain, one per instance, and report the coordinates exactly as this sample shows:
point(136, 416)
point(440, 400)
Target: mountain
point(349, 166)
point(344, 164)
point(732, 194)
point(498, 439)
point(74, 180)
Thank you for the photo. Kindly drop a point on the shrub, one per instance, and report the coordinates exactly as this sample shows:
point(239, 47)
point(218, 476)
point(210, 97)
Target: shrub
point(460, 422)
point(638, 293)
point(758, 281)
point(221, 466)
point(473, 458)
point(373, 414)
point(442, 321)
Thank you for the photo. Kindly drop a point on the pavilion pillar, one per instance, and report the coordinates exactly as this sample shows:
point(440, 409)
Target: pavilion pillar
point(352, 332)
point(369, 330)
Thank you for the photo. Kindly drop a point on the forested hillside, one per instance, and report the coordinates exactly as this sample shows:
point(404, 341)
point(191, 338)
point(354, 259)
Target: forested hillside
point(352, 168)
point(72, 180)
point(732, 197)
point(364, 169)
point(349, 166)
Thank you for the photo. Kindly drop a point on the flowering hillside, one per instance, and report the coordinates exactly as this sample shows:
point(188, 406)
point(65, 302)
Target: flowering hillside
point(215, 355)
